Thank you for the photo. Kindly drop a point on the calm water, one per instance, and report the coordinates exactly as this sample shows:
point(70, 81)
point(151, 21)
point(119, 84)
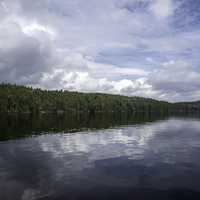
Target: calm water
point(73, 158)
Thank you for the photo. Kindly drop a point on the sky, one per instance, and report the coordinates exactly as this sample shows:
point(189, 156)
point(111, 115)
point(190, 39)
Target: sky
point(146, 48)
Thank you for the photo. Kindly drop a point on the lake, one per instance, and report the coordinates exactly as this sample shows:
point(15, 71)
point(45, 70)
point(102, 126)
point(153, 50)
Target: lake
point(102, 157)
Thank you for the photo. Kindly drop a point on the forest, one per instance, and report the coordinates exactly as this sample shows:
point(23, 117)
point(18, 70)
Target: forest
point(22, 99)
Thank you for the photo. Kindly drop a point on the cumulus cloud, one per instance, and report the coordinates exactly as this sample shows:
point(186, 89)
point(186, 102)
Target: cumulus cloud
point(130, 47)
point(162, 8)
point(176, 79)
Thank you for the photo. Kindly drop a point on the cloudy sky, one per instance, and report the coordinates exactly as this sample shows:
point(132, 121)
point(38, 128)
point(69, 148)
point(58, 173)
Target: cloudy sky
point(146, 48)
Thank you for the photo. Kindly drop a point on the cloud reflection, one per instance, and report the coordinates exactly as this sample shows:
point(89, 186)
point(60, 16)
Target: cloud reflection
point(153, 155)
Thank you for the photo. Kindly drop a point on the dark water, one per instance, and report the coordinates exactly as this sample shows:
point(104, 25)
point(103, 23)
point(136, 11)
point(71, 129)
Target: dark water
point(62, 157)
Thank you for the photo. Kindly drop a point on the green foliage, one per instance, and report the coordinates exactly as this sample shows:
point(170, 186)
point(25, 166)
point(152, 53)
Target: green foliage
point(21, 99)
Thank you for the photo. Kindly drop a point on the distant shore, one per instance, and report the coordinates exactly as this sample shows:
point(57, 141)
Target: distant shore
point(21, 99)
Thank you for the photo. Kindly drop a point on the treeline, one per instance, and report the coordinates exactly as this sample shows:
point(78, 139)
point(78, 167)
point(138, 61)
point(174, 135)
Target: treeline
point(21, 99)
point(186, 107)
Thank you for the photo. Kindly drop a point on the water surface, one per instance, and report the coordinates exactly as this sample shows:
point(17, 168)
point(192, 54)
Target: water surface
point(146, 159)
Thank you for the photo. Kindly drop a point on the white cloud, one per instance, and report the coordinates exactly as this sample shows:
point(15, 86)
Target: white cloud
point(162, 8)
point(34, 28)
point(113, 71)
point(176, 80)
point(130, 47)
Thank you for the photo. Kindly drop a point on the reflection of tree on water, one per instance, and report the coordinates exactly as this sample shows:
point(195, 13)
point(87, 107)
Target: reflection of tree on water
point(15, 126)
point(129, 161)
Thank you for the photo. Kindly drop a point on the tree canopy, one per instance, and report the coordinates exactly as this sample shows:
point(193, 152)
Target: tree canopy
point(21, 99)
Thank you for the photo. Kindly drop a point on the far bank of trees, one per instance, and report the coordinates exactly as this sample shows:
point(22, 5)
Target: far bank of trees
point(21, 99)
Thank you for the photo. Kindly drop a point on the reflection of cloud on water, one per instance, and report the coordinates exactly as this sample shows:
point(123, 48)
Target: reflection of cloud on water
point(124, 141)
point(30, 194)
point(39, 165)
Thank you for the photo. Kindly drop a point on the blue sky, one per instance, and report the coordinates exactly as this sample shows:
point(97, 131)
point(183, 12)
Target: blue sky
point(144, 48)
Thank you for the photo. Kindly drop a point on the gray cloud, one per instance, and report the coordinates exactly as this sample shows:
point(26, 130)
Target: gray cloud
point(131, 47)
point(176, 76)
point(22, 58)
